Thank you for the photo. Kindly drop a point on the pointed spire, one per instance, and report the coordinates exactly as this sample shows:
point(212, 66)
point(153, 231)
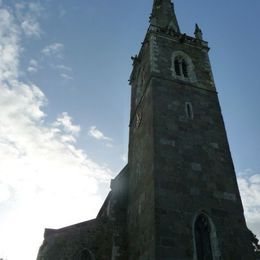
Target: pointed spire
point(163, 15)
point(198, 33)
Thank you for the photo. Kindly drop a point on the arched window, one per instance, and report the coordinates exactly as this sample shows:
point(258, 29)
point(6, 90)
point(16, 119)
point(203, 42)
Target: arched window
point(182, 67)
point(85, 255)
point(203, 238)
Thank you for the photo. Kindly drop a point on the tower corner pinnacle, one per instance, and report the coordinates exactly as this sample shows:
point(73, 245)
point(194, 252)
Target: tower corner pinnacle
point(198, 32)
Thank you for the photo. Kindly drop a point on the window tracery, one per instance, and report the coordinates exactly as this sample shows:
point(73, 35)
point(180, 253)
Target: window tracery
point(182, 67)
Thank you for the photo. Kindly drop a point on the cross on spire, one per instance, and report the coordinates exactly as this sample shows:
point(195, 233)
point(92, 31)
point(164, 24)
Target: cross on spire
point(163, 15)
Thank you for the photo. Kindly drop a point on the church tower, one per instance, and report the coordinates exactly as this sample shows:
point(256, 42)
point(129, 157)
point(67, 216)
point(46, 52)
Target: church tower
point(177, 198)
point(183, 197)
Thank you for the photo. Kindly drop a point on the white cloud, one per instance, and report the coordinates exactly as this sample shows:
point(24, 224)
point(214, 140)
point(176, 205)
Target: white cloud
point(54, 49)
point(63, 68)
point(97, 134)
point(65, 71)
point(32, 69)
point(33, 66)
point(9, 53)
point(66, 122)
point(66, 76)
point(4, 193)
point(249, 186)
point(44, 176)
point(31, 28)
point(27, 14)
point(124, 158)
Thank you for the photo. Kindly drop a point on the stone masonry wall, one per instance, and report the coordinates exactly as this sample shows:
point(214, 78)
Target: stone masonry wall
point(193, 166)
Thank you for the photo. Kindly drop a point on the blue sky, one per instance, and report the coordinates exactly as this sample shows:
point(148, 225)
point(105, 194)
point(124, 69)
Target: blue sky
point(64, 104)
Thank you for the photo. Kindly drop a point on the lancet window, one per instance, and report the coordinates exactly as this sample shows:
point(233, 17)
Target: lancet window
point(189, 110)
point(203, 238)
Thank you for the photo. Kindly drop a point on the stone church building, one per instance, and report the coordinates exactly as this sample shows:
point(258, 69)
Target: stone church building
point(177, 198)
